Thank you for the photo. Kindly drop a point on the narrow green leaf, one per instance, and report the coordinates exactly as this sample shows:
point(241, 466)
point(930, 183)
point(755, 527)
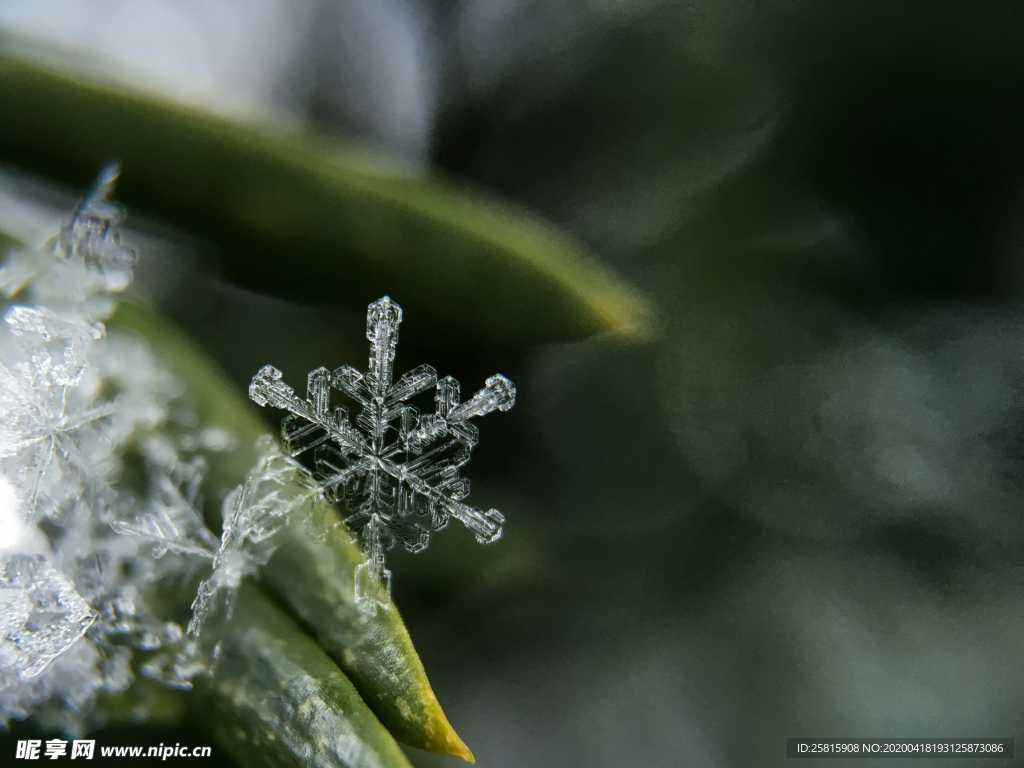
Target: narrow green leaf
point(311, 575)
point(315, 578)
point(295, 216)
point(276, 699)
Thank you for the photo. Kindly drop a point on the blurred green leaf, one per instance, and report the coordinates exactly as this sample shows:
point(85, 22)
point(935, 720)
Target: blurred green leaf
point(312, 575)
point(625, 129)
point(298, 217)
point(278, 700)
point(6, 242)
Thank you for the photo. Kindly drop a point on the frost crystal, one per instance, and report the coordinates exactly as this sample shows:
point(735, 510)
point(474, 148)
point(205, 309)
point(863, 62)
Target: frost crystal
point(41, 615)
point(253, 513)
point(76, 597)
point(396, 462)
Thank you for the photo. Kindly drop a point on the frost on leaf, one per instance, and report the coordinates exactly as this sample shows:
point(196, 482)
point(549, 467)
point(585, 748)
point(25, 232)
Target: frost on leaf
point(395, 464)
point(171, 523)
point(41, 615)
point(92, 239)
point(77, 599)
point(40, 412)
point(253, 513)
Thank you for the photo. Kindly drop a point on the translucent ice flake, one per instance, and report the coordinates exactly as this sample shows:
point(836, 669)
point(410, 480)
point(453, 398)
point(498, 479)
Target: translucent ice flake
point(253, 513)
point(395, 463)
point(40, 328)
point(169, 522)
point(92, 240)
point(41, 616)
point(168, 519)
point(76, 598)
point(42, 405)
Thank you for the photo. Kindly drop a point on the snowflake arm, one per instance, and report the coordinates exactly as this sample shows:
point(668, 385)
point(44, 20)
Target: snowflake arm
point(254, 513)
point(394, 463)
point(172, 523)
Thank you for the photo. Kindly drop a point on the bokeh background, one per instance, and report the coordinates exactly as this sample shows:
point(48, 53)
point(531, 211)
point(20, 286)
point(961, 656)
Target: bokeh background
point(796, 508)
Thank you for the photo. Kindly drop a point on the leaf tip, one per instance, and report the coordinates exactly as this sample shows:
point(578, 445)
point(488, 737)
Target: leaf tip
point(456, 747)
point(442, 737)
point(628, 315)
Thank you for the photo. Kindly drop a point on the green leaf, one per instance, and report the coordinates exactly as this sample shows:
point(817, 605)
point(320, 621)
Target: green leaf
point(311, 575)
point(296, 216)
point(276, 699)
point(7, 242)
point(162, 705)
point(315, 578)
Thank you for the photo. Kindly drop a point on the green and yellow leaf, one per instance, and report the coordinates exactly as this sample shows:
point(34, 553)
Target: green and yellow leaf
point(296, 216)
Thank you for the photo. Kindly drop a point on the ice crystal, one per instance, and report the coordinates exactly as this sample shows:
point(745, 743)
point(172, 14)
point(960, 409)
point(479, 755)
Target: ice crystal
point(253, 513)
point(395, 464)
point(76, 596)
point(41, 615)
point(171, 521)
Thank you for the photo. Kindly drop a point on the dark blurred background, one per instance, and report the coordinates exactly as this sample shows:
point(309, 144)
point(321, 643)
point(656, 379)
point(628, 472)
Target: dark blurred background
point(797, 509)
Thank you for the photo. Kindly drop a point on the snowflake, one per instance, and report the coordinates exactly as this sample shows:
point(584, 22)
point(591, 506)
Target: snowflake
point(77, 598)
point(253, 514)
point(35, 594)
point(396, 462)
point(40, 412)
